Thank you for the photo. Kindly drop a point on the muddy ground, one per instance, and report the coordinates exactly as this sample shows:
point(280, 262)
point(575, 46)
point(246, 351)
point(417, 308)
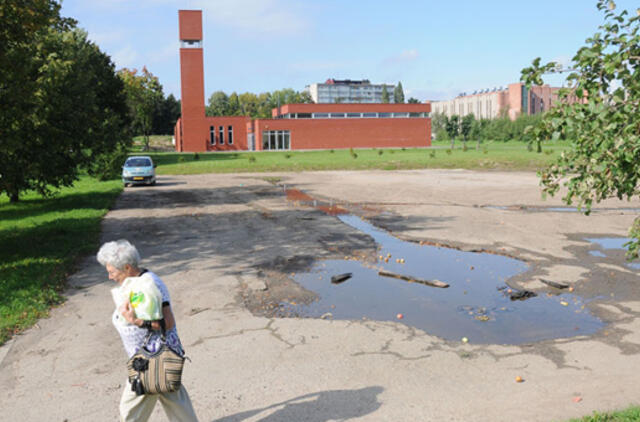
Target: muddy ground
point(228, 247)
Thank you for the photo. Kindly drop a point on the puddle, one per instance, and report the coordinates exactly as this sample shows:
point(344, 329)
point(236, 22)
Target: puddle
point(598, 254)
point(609, 242)
point(475, 305)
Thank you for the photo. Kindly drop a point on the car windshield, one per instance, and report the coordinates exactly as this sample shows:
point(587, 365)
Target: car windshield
point(138, 162)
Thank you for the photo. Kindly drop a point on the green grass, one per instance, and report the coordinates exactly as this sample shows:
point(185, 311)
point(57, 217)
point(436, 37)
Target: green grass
point(632, 414)
point(40, 242)
point(490, 156)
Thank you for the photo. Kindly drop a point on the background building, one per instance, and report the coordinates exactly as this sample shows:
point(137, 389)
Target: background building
point(514, 100)
point(293, 126)
point(348, 91)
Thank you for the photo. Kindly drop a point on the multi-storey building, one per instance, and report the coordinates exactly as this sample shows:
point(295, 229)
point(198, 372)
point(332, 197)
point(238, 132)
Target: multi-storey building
point(348, 91)
point(514, 100)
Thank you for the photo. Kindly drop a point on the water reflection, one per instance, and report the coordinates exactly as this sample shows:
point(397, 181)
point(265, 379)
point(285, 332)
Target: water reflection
point(476, 305)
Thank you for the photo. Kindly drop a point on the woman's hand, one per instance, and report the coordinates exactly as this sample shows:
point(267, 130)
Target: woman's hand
point(128, 312)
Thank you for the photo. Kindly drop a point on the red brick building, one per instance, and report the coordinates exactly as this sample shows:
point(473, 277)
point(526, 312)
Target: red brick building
point(292, 126)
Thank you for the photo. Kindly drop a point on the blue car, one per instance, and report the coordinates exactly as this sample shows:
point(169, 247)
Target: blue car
point(139, 170)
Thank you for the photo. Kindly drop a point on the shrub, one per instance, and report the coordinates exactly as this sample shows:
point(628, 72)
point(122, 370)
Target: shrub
point(196, 156)
point(432, 153)
point(380, 152)
point(252, 159)
point(181, 159)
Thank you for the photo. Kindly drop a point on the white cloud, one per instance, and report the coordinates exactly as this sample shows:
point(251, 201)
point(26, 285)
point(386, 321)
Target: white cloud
point(313, 65)
point(167, 54)
point(103, 38)
point(125, 57)
point(255, 17)
point(403, 57)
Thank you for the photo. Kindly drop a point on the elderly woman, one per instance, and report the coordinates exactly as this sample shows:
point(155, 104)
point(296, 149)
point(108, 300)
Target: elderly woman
point(121, 260)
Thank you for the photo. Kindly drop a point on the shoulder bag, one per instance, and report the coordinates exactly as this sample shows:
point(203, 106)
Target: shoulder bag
point(158, 372)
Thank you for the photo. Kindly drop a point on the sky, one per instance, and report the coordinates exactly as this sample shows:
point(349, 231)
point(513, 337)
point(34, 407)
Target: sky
point(437, 49)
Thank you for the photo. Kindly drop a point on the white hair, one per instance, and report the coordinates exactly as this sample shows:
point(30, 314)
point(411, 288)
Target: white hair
point(118, 254)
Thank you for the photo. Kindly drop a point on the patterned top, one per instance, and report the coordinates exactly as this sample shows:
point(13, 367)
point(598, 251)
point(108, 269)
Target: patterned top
point(133, 336)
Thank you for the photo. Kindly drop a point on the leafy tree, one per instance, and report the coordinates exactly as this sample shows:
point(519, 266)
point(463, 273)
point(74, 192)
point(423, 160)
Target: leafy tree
point(600, 114)
point(144, 96)
point(233, 105)
point(63, 108)
point(439, 122)
point(466, 123)
point(385, 94)
point(398, 94)
point(453, 128)
point(413, 101)
point(255, 106)
point(166, 115)
point(218, 104)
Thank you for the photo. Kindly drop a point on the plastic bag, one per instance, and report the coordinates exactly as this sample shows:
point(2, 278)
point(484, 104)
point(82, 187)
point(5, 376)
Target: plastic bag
point(144, 296)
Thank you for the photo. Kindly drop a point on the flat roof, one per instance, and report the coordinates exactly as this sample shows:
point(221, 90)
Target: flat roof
point(351, 107)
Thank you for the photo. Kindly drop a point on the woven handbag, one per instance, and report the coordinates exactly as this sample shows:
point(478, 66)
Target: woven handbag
point(153, 373)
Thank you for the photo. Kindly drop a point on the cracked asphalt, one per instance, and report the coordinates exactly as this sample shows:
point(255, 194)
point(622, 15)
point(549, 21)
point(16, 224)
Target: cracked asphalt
point(226, 245)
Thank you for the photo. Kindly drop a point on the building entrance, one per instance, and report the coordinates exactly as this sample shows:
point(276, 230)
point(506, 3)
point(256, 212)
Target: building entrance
point(276, 140)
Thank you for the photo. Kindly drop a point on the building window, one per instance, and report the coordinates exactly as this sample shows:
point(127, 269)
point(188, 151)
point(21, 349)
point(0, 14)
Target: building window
point(212, 134)
point(353, 115)
point(304, 115)
point(230, 135)
point(320, 115)
point(337, 115)
point(400, 114)
point(273, 140)
point(369, 114)
point(384, 115)
point(221, 135)
point(190, 43)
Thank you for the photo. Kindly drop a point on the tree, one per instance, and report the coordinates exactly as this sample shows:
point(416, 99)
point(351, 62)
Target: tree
point(255, 106)
point(144, 96)
point(453, 128)
point(218, 104)
point(398, 94)
point(63, 107)
point(466, 125)
point(413, 101)
point(599, 112)
point(233, 105)
point(385, 94)
point(166, 115)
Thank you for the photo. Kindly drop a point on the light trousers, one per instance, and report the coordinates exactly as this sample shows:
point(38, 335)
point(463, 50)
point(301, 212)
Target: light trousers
point(177, 405)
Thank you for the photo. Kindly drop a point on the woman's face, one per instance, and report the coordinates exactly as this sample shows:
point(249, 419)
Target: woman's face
point(118, 275)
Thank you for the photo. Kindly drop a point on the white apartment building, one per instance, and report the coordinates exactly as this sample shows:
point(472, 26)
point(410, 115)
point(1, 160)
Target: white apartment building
point(349, 91)
point(513, 100)
point(483, 104)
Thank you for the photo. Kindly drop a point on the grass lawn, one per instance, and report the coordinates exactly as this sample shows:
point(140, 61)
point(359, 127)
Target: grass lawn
point(40, 241)
point(631, 414)
point(490, 156)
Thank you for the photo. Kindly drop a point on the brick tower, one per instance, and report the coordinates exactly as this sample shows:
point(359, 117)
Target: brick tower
point(192, 130)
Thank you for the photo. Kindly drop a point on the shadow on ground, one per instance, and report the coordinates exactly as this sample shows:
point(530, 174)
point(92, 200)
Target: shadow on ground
point(316, 407)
